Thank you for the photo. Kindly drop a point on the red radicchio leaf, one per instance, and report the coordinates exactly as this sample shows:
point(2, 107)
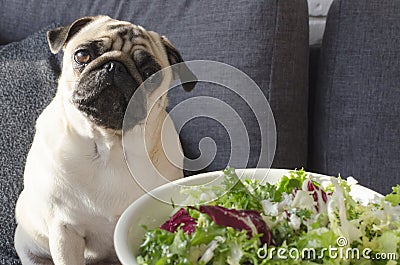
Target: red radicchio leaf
point(180, 217)
point(315, 190)
point(248, 220)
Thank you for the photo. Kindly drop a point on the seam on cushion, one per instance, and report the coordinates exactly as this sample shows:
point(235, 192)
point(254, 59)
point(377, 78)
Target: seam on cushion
point(331, 85)
point(271, 74)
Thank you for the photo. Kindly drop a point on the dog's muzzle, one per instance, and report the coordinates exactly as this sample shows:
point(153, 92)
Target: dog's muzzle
point(103, 95)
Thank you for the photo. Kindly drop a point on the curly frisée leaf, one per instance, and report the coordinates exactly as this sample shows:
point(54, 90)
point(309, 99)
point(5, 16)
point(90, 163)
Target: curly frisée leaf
point(292, 182)
point(394, 197)
point(238, 195)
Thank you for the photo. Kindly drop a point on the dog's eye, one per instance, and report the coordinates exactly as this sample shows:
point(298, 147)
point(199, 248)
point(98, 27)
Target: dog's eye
point(150, 76)
point(152, 80)
point(147, 74)
point(82, 56)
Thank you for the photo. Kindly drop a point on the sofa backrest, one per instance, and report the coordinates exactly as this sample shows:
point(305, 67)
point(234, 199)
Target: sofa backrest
point(268, 40)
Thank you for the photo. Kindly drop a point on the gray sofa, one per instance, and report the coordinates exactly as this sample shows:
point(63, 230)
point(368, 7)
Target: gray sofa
point(354, 106)
point(345, 121)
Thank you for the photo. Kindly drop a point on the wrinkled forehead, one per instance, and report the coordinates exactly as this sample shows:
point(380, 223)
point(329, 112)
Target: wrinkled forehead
point(116, 28)
point(117, 35)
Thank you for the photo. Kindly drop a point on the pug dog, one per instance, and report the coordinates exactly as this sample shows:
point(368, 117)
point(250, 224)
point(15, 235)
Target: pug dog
point(78, 176)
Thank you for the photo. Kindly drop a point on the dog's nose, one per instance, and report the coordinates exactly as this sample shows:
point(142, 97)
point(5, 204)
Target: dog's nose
point(115, 66)
point(119, 77)
point(109, 66)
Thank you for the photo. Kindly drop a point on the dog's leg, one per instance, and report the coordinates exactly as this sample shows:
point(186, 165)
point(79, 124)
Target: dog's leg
point(21, 247)
point(67, 247)
point(28, 252)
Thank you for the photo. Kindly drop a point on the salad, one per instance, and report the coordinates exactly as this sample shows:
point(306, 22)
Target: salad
point(295, 221)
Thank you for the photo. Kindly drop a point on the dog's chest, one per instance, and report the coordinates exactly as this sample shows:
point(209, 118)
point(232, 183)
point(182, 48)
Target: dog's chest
point(102, 184)
point(102, 189)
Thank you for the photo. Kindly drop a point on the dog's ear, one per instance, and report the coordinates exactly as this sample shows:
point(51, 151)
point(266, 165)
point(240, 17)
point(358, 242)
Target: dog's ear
point(59, 36)
point(183, 72)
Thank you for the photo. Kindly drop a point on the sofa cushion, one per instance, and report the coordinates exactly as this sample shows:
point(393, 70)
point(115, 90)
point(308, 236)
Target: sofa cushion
point(28, 75)
point(356, 115)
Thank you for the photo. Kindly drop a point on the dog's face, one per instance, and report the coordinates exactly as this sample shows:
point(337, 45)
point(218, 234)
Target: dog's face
point(105, 61)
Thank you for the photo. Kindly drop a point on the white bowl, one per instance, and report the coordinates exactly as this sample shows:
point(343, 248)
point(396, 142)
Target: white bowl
point(152, 212)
